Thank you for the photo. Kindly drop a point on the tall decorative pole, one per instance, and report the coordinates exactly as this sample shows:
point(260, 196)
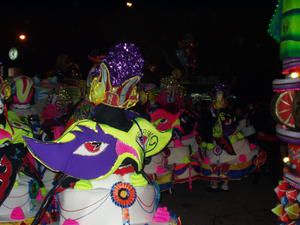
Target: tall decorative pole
point(285, 29)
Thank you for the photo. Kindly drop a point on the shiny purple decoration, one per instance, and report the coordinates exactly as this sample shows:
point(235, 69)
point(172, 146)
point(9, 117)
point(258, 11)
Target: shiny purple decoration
point(221, 87)
point(124, 61)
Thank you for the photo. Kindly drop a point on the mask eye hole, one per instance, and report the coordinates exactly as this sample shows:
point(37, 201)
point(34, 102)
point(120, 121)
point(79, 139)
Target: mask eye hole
point(91, 148)
point(163, 121)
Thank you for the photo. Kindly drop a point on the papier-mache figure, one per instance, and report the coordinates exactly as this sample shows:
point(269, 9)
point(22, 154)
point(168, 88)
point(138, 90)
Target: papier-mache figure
point(100, 161)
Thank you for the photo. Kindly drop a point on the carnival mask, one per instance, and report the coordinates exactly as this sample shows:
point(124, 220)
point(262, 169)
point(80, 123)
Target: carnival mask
point(88, 150)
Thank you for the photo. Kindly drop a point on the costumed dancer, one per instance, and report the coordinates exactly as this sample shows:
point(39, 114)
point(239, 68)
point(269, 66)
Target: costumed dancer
point(56, 113)
point(225, 152)
point(20, 181)
point(101, 160)
point(181, 154)
point(284, 28)
point(172, 92)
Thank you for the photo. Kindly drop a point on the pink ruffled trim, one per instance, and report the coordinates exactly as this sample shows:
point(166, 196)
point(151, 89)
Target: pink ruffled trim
point(17, 214)
point(70, 222)
point(162, 215)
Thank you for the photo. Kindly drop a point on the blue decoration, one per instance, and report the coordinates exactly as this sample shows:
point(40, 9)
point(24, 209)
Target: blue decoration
point(284, 201)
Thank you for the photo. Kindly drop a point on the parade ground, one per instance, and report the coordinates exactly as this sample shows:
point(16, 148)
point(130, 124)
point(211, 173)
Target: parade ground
point(246, 203)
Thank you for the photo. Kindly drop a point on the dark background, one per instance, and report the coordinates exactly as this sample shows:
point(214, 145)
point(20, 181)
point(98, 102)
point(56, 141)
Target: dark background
point(232, 35)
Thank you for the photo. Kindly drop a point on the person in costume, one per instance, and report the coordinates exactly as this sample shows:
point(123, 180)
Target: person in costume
point(20, 181)
point(172, 91)
point(22, 97)
point(101, 160)
point(56, 113)
point(182, 155)
point(66, 68)
point(225, 152)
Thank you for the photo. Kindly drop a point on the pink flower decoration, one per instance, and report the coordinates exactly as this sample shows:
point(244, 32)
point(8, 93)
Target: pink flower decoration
point(17, 214)
point(50, 112)
point(4, 134)
point(206, 161)
point(39, 196)
point(252, 146)
point(178, 143)
point(243, 158)
point(58, 131)
point(162, 215)
point(160, 170)
point(70, 222)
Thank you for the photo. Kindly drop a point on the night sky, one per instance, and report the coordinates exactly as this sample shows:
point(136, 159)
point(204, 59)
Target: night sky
point(232, 35)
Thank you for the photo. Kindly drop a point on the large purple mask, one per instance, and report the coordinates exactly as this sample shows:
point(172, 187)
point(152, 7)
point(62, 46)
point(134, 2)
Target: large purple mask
point(84, 151)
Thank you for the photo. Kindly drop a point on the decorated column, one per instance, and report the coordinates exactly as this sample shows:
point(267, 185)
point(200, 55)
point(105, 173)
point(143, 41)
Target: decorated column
point(285, 29)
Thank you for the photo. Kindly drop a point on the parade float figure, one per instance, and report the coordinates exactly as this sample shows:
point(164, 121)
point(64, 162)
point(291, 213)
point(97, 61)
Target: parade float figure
point(101, 160)
point(22, 96)
point(172, 92)
point(226, 154)
point(284, 28)
point(56, 113)
point(182, 152)
point(20, 181)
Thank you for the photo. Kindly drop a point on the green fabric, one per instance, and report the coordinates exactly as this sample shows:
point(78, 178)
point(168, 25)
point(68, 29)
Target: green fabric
point(289, 49)
point(83, 185)
point(236, 137)
point(217, 129)
point(290, 29)
point(285, 29)
point(207, 146)
point(43, 191)
point(22, 96)
point(186, 160)
point(138, 180)
point(16, 184)
point(289, 5)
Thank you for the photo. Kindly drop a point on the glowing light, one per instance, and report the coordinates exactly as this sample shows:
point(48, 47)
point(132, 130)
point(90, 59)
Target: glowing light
point(22, 37)
point(294, 75)
point(129, 4)
point(13, 54)
point(286, 159)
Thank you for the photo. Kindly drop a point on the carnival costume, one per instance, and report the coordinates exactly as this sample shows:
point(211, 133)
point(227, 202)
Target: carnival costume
point(227, 154)
point(183, 155)
point(101, 161)
point(20, 181)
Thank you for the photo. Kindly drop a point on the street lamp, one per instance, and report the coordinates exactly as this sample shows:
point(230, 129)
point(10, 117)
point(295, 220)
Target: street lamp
point(129, 4)
point(22, 37)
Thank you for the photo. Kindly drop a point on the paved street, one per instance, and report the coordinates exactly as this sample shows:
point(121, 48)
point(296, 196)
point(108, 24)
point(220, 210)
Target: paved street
point(244, 204)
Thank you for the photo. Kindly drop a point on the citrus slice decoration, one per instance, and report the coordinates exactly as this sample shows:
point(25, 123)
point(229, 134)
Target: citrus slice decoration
point(284, 108)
